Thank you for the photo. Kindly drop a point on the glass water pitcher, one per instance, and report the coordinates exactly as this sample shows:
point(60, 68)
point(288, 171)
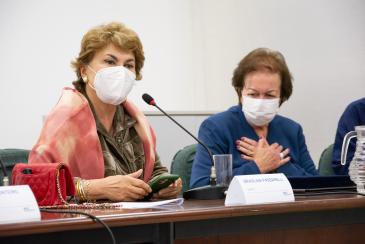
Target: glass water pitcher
point(357, 164)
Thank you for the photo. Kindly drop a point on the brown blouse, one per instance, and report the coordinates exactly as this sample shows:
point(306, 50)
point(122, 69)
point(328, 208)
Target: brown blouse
point(122, 149)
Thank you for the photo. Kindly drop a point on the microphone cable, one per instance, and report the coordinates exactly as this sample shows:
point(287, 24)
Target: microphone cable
point(93, 217)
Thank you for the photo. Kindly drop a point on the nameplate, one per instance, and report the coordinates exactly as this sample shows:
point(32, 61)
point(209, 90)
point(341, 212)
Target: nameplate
point(259, 189)
point(18, 205)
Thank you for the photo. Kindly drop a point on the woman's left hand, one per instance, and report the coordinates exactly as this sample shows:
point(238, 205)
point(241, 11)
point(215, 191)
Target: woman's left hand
point(172, 191)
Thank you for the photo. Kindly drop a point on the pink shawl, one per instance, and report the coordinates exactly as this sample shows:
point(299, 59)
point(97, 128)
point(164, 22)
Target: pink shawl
point(70, 136)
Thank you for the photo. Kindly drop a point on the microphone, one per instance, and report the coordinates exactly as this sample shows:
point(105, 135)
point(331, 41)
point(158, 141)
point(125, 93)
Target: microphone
point(149, 100)
point(205, 192)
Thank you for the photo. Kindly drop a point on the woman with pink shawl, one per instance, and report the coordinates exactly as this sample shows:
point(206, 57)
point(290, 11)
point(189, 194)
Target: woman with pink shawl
point(102, 137)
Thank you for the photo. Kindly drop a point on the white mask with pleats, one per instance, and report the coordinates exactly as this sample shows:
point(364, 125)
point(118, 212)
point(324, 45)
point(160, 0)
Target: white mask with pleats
point(113, 84)
point(259, 112)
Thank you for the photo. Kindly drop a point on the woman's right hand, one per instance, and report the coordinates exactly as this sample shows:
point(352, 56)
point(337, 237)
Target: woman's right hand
point(119, 188)
point(267, 157)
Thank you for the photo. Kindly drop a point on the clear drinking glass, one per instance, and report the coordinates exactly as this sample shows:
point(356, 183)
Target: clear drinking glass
point(223, 167)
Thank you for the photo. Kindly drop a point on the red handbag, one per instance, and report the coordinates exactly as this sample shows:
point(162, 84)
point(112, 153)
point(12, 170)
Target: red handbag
point(51, 183)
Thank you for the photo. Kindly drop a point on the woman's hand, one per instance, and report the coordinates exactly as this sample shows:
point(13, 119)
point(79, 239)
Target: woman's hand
point(119, 188)
point(267, 157)
point(172, 191)
point(247, 147)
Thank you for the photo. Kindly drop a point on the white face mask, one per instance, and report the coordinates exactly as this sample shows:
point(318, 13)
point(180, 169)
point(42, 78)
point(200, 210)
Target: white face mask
point(113, 84)
point(259, 112)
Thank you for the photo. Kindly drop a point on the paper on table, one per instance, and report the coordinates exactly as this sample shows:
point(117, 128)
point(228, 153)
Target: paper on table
point(176, 201)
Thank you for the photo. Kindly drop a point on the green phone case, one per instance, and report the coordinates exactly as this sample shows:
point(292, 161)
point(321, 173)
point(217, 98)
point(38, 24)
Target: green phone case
point(162, 181)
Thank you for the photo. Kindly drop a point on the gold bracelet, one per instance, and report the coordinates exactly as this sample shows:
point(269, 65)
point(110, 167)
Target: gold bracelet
point(80, 191)
point(84, 198)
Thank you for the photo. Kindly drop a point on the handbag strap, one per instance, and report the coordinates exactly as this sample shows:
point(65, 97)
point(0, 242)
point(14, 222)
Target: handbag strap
point(59, 185)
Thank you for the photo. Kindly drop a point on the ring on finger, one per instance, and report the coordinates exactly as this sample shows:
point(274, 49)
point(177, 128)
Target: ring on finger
point(281, 155)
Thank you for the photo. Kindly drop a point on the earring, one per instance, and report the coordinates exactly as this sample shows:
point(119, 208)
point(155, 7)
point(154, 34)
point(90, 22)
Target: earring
point(84, 79)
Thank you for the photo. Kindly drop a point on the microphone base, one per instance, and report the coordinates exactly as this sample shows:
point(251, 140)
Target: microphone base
point(206, 193)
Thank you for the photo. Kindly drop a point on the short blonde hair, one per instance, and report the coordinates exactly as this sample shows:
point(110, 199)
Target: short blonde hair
point(101, 36)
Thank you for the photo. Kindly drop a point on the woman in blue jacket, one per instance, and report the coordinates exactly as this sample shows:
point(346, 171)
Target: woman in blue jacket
point(259, 140)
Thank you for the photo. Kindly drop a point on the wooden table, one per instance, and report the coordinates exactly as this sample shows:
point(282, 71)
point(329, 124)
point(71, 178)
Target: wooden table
point(310, 219)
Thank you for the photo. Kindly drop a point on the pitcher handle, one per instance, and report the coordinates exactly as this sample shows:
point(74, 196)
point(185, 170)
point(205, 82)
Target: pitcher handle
point(345, 145)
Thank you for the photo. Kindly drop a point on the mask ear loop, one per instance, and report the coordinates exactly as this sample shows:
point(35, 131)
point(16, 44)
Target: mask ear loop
point(86, 80)
point(88, 83)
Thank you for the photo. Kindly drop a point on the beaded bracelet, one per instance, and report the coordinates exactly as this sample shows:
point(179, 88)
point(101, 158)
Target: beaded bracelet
point(86, 205)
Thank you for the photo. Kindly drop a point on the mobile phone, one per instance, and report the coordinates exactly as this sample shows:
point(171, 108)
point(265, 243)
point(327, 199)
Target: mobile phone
point(160, 182)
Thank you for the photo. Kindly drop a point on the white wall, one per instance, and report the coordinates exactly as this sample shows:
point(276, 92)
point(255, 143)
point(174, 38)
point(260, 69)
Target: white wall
point(39, 38)
point(171, 138)
point(323, 42)
point(192, 47)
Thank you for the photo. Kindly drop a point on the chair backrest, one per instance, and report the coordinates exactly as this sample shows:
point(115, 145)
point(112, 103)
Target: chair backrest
point(182, 163)
point(325, 162)
point(10, 157)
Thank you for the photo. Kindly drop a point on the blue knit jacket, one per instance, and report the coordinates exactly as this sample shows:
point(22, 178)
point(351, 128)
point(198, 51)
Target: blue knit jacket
point(221, 131)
